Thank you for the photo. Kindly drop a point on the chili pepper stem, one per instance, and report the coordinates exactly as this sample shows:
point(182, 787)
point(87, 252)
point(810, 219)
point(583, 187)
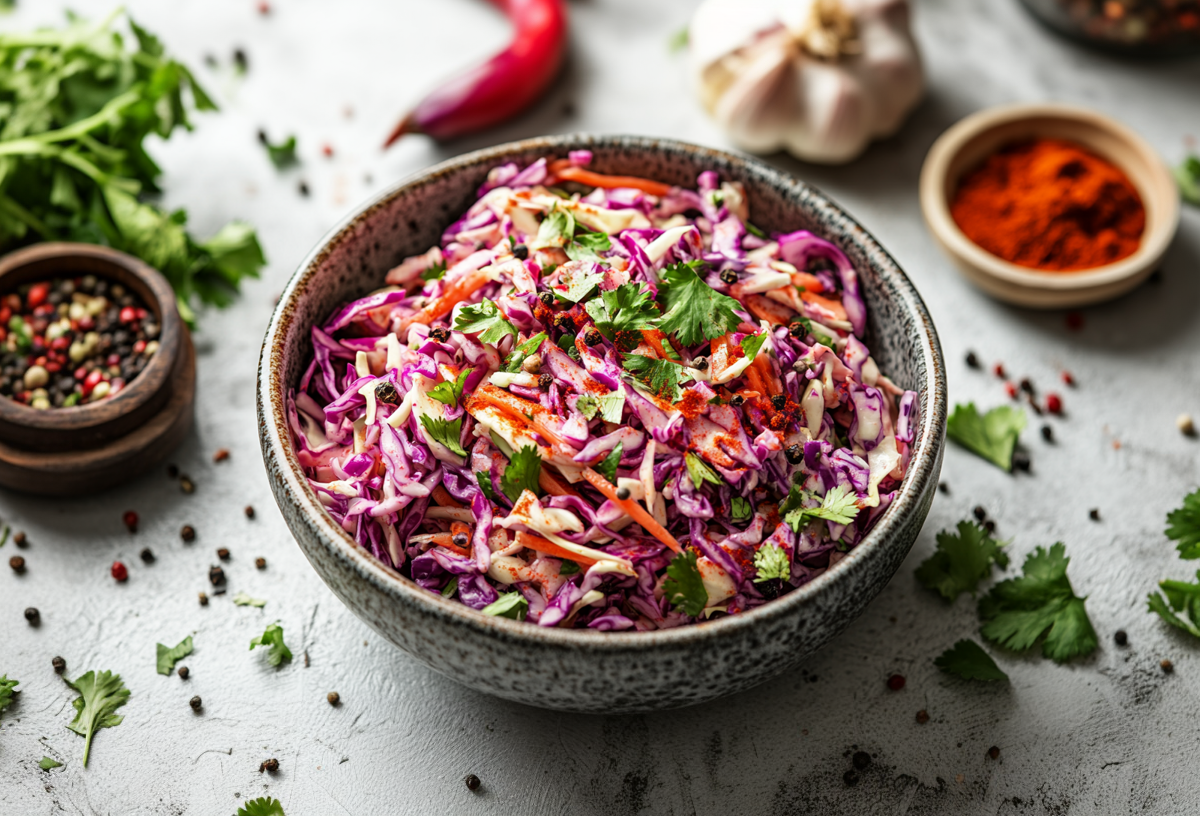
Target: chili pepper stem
point(407, 125)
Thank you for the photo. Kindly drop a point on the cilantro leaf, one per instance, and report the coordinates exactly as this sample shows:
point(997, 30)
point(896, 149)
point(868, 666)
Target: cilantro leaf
point(524, 350)
point(740, 509)
point(608, 467)
point(623, 313)
point(47, 763)
point(6, 691)
point(282, 155)
point(1041, 602)
point(509, 605)
point(992, 436)
point(579, 282)
point(167, 658)
point(587, 245)
point(695, 311)
point(556, 230)
point(961, 561)
point(611, 407)
point(242, 599)
point(100, 695)
point(684, 588)
point(1184, 526)
point(446, 431)
point(1188, 176)
point(968, 660)
point(661, 378)
point(699, 471)
point(272, 638)
point(1181, 606)
point(435, 272)
point(449, 393)
point(485, 484)
point(486, 320)
point(451, 587)
point(522, 473)
point(263, 806)
point(838, 505)
point(752, 343)
point(771, 561)
point(568, 568)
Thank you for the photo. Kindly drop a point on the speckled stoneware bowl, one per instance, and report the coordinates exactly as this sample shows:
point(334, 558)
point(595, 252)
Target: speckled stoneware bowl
point(605, 672)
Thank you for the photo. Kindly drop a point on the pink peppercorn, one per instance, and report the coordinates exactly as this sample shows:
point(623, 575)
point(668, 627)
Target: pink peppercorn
point(128, 314)
point(895, 682)
point(119, 572)
point(1011, 390)
point(1054, 403)
point(998, 370)
point(131, 520)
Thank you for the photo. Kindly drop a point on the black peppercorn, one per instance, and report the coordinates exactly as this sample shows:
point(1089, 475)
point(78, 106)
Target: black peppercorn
point(545, 381)
point(737, 400)
point(1021, 461)
point(1047, 433)
point(994, 752)
point(700, 364)
point(17, 563)
point(779, 401)
point(223, 553)
point(59, 665)
point(944, 488)
point(173, 471)
point(769, 589)
point(592, 337)
point(623, 493)
point(861, 760)
point(990, 526)
point(850, 778)
point(472, 782)
point(333, 697)
point(922, 717)
point(798, 331)
point(20, 540)
point(1167, 665)
point(269, 765)
point(32, 615)
point(460, 539)
point(439, 334)
point(216, 576)
point(520, 252)
point(303, 189)
point(183, 672)
point(546, 298)
point(562, 321)
point(972, 360)
point(249, 511)
point(196, 703)
point(386, 393)
point(979, 512)
point(147, 556)
point(728, 277)
point(794, 453)
point(203, 599)
point(1120, 637)
point(260, 563)
point(1026, 385)
point(1094, 514)
point(188, 533)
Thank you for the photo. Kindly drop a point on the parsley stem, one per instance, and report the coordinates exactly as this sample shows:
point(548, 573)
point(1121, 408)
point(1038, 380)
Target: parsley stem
point(74, 130)
point(23, 215)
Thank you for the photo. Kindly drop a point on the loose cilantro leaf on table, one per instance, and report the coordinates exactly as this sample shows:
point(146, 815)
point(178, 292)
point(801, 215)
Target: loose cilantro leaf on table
point(449, 393)
point(100, 695)
point(609, 406)
point(486, 320)
point(47, 763)
point(282, 155)
point(167, 657)
point(625, 309)
point(695, 311)
point(961, 560)
point(608, 467)
point(771, 561)
point(522, 473)
point(838, 505)
point(1019, 611)
point(263, 806)
point(509, 605)
point(1183, 526)
point(272, 638)
point(661, 378)
point(968, 660)
point(699, 471)
point(524, 350)
point(446, 431)
point(992, 435)
point(683, 587)
point(1181, 606)
point(242, 599)
point(6, 691)
point(1188, 176)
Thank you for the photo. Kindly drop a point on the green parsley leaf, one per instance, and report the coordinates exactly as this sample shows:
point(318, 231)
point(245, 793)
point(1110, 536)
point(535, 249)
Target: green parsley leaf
point(485, 484)
point(771, 561)
point(282, 155)
point(580, 284)
point(100, 695)
point(556, 230)
point(699, 471)
point(611, 407)
point(446, 431)
point(451, 587)
point(1184, 526)
point(509, 605)
point(522, 473)
point(961, 561)
point(524, 350)
point(486, 320)
point(587, 245)
point(435, 272)
point(683, 587)
point(1041, 602)
point(272, 638)
point(449, 393)
point(752, 343)
point(695, 311)
point(740, 509)
point(839, 505)
point(242, 599)
point(6, 691)
point(660, 377)
point(623, 313)
point(1181, 606)
point(968, 660)
point(263, 806)
point(608, 468)
point(47, 764)
point(992, 436)
point(167, 658)
point(568, 568)
point(1188, 176)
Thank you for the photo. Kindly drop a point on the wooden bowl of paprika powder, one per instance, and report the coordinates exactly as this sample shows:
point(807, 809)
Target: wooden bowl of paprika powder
point(1047, 205)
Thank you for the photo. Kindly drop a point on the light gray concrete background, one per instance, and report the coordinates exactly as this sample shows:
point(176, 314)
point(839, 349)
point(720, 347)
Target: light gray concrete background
point(1110, 734)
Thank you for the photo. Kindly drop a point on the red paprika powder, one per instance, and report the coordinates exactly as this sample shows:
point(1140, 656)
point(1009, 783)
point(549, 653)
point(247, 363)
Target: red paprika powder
point(1050, 204)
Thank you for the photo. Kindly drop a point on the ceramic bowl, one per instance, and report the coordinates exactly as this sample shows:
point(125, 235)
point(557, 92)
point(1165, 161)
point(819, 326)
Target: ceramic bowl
point(586, 670)
point(962, 147)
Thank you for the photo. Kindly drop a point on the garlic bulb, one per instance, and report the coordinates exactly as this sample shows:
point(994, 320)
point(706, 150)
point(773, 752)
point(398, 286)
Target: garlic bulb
point(820, 78)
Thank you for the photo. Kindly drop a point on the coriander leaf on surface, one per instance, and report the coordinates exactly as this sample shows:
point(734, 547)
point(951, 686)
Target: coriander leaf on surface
point(695, 311)
point(282, 155)
point(661, 378)
point(740, 509)
point(992, 436)
point(272, 638)
point(446, 431)
point(623, 313)
point(524, 350)
point(6, 691)
point(608, 467)
point(961, 561)
point(486, 320)
point(100, 695)
point(968, 660)
point(522, 473)
point(509, 605)
point(684, 588)
point(242, 599)
point(263, 806)
point(167, 657)
point(699, 471)
point(47, 763)
point(1184, 526)
point(1019, 611)
point(1188, 176)
point(449, 393)
point(771, 561)
point(1181, 605)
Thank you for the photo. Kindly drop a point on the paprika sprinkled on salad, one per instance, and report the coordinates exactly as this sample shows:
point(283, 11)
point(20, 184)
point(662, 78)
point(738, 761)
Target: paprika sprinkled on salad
point(702, 430)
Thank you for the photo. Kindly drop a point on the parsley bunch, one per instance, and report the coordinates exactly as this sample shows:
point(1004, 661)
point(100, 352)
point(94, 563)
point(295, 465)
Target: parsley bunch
point(77, 106)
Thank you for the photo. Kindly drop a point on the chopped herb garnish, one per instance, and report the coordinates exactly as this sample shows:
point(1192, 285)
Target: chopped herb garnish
point(695, 311)
point(755, 231)
point(628, 308)
point(242, 599)
point(609, 406)
point(522, 473)
point(838, 505)
point(568, 568)
point(449, 393)
point(282, 155)
point(587, 246)
point(524, 350)
point(968, 660)
point(740, 509)
point(47, 764)
point(580, 283)
point(167, 657)
point(992, 436)
point(509, 605)
point(451, 587)
point(555, 230)
point(699, 471)
point(661, 378)
point(771, 561)
point(683, 587)
point(752, 343)
point(100, 695)
point(486, 320)
point(961, 560)
point(444, 431)
point(1183, 526)
point(485, 484)
point(435, 272)
point(6, 691)
point(263, 806)
point(679, 40)
point(272, 638)
point(1181, 605)
point(608, 467)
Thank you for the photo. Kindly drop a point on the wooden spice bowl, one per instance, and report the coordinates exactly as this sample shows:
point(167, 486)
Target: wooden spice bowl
point(967, 143)
point(86, 448)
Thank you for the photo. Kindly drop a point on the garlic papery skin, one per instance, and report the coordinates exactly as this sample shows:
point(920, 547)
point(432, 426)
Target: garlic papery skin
point(818, 78)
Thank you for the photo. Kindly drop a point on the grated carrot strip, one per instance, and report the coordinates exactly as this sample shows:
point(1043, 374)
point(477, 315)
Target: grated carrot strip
point(635, 510)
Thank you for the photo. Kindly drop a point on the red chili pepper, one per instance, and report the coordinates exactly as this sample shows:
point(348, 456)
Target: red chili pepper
point(119, 571)
point(1054, 403)
point(502, 87)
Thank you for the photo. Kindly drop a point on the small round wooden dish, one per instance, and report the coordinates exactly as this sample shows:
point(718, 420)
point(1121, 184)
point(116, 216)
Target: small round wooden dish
point(970, 141)
point(86, 448)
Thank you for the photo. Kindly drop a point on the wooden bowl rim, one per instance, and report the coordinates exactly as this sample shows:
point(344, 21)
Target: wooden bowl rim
point(149, 382)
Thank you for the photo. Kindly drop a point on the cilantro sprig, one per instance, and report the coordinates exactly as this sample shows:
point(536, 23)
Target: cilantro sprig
point(662, 378)
point(282, 155)
point(740, 509)
point(610, 407)
point(6, 691)
point(608, 467)
point(272, 639)
point(522, 351)
point(961, 561)
point(992, 436)
point(695, 311)
point(621, 311)
point(509, 605)
point(100, 695)
point(48, 764)
point(838, 505)
point(771, 561)
point(448, 432)
point(168, 657)
point(683, 587)
point(486, 320)
point(699, 471)
point(262, 806)
point(1183, 526)
point(968, 660)
point(1179, 604)
point(522, 473)
point(449, 393)
point(1188, 176)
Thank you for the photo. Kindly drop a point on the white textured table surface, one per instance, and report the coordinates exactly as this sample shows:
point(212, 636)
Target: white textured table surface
point(1109, 734)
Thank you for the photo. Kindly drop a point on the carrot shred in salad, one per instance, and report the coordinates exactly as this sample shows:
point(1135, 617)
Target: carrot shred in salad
point(605, 402)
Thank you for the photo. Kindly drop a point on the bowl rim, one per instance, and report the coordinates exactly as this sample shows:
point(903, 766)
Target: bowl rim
point(277, 444)
point(936, 207)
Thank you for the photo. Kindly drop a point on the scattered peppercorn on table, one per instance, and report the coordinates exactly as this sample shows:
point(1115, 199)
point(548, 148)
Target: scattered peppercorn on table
point(147, 598)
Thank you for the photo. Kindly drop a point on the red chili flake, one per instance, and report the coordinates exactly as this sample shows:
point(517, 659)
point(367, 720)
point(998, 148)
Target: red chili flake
point(1067, 378)
point(120, 572)
point(1054, 403)
point(1074, 321)
point(131, 520)
point(1011, 390)
point(998, 370)
point(895, 682)
point(327, 150)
